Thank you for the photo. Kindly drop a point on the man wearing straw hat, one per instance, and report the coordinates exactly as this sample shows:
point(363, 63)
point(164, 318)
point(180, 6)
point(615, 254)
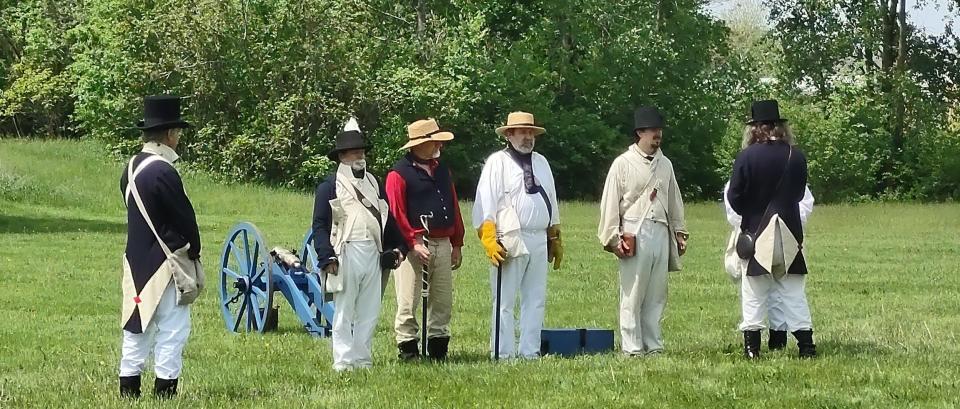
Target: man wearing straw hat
point(518, 220)
point(420, 184)
point(162, 275)
point(642, 223)
point(356, 242)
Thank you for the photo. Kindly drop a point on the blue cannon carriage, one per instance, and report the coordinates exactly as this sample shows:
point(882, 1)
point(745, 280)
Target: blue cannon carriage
point(250, 274)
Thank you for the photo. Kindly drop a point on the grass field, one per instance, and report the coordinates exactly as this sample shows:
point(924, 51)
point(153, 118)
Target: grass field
point(884, 291)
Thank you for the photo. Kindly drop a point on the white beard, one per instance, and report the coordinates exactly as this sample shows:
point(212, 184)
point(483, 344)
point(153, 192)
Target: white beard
point(359, 165)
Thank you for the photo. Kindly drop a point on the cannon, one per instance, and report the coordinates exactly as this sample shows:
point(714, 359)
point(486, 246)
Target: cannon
point(251, 273)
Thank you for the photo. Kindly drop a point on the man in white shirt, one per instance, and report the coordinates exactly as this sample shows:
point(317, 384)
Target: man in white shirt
point(642, 223)
point(517, 217)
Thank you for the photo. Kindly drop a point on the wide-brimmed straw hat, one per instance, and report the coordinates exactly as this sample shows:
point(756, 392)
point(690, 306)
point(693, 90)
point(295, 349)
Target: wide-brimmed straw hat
point(520, 120)
point(425, 130)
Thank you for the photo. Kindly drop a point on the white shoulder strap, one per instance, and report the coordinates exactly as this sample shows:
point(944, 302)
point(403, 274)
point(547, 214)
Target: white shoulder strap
point(132, 190)
point(632, 161)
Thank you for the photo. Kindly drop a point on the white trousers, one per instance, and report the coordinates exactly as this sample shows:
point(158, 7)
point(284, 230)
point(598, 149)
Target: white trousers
point(775, 315)
point(643, 290)
point(785, 299)
point(166, 335)
point(528, 275)
point(357, 307)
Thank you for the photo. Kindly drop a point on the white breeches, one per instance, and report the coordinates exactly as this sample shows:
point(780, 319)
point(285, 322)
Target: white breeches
point(166, 335)
point(357, 307)
point(784, 298)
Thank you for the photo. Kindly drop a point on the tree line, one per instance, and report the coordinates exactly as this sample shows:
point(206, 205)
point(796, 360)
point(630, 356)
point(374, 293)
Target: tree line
point(873, 100)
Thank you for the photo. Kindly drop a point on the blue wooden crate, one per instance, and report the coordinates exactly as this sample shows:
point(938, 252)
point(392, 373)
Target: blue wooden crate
point(574, 341)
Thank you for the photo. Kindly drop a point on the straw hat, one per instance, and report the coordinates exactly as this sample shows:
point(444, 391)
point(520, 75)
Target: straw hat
point(518, 120)
point(425, 130)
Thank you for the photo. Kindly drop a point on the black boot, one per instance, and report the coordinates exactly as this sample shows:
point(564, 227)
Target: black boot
point(778, 340)
point(130, 386)
point(751, 344)
point(165, 388)
point(409, 350)
point(805, 342)
point(437, 348)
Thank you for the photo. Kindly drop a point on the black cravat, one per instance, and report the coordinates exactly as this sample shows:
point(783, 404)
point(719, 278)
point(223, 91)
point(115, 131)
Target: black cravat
point(525, 161)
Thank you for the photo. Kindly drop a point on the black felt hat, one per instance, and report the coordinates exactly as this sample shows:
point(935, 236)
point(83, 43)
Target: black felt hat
point(161, 112)
point(767, 110)
point(647, 117)
point(347, 140)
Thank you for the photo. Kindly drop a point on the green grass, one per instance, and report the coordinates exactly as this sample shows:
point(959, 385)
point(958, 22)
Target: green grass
point(884, 292)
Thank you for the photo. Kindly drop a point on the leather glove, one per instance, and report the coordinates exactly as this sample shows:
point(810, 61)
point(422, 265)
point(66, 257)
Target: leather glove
point(488, 237)
point(554, 246)
point(390, 259)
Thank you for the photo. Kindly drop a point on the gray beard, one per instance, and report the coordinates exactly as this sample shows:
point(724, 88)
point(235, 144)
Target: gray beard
point(521, 149)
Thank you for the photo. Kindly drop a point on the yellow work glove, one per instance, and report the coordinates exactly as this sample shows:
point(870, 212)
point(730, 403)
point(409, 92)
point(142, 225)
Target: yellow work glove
point(554, 246)
point(488, 237)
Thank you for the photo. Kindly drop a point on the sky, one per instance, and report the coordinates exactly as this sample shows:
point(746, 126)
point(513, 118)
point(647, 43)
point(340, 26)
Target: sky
point(931, 16)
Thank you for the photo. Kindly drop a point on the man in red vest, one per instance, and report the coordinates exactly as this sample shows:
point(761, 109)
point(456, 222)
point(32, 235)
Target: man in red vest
point(418, 185)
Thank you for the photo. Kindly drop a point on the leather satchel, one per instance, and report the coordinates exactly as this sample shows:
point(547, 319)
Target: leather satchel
point(747, 240)
point(746, 245)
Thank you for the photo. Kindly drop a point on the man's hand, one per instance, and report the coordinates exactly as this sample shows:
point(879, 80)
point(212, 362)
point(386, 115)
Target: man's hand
point(422, 253)
point(488, 237)
point(621, 249)
point(333, 268)
point(681, 243)
point(456, 257)
point(554, 246)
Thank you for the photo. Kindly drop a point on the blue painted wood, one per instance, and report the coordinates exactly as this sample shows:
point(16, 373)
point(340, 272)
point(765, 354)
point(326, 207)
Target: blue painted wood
point(598, 341)
point(575, 341)
point(246, 291)
point(559, 341)
point(249, 277)
point(315, 288)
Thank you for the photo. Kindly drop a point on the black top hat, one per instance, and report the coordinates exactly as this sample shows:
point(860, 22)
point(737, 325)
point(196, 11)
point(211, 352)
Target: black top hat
point(647, 117)
point(765, 111)
point(161, 112)
point(347, 140)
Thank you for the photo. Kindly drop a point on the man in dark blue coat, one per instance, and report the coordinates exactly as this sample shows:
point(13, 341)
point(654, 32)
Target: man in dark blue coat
point(161, 274)
point(357, 244)
point(768, 182)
